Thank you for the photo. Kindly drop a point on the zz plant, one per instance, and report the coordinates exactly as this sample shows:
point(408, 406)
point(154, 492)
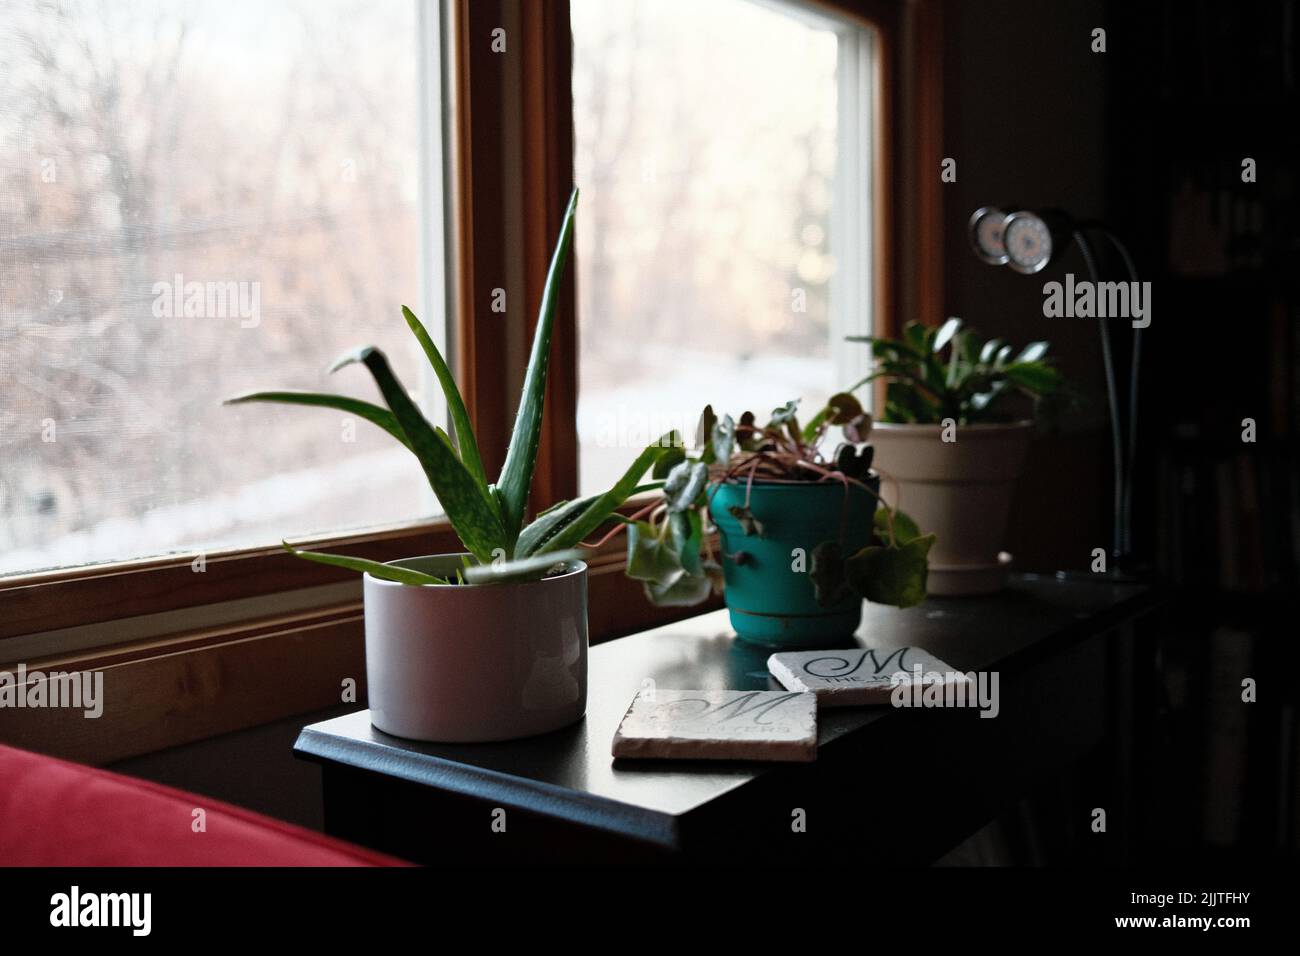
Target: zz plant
point(969, 384)
point(668, 545)
point(488, 516)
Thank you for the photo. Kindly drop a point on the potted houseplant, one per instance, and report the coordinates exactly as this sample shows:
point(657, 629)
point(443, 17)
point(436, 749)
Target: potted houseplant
point(489, 644)
point(802, 539)
point(953, 443)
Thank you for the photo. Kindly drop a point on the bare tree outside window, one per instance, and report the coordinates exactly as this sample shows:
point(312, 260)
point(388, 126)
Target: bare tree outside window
point(705, 137)
point(199, 198)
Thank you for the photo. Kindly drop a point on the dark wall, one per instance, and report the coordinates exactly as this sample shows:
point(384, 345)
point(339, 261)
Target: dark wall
point(1025, 119)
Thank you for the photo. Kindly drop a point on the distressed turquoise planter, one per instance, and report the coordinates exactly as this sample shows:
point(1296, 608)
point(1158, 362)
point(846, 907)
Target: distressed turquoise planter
point(770, 599)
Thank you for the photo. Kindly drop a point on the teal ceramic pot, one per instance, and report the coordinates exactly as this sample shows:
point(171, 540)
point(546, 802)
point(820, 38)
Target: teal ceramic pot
point(772, 602)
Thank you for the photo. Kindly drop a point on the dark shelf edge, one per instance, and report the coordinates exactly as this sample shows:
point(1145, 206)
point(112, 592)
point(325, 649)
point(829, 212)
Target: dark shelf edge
point(658, 829)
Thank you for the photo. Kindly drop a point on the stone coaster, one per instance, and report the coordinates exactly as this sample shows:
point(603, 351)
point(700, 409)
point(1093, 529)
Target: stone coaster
point(719, 725)
point(859, 675)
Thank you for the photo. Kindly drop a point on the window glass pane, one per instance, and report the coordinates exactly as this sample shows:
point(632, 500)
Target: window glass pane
point(706, 150)
point(199, 199)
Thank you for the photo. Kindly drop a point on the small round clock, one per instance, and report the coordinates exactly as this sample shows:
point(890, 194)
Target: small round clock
point(1029, 242)
point(986, 234)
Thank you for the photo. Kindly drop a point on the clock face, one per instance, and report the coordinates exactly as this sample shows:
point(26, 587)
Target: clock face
point(986, 235)
point(1028, 242)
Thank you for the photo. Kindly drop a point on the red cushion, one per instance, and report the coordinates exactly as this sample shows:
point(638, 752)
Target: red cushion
point(54, 813)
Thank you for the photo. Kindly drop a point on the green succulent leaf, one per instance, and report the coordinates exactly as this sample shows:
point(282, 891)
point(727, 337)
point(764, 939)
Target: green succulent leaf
point(599, 509)
point(376, 569)
point(550, 523)
point(353, 406)
point(465, 443)
point(466, 502)
point(558, 517)
point(446, 440)
point(521, 456)
point(532, 568)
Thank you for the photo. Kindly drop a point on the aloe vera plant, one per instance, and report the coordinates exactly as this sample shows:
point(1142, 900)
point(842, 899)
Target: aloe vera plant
point(487, 516)
point(967, 384)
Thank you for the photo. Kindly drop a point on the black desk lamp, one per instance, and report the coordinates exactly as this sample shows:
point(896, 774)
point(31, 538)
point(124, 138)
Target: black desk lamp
point(1028, 241)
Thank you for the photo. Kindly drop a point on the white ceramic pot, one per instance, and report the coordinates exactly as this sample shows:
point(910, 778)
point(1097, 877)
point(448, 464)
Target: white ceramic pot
point(470, 663)
point(960, 490)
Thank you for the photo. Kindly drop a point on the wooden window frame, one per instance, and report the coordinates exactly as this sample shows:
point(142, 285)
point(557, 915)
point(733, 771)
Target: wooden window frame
point(509, 172)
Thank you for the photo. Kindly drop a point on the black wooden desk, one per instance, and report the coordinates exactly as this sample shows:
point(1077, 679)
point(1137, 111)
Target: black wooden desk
point(901, 785)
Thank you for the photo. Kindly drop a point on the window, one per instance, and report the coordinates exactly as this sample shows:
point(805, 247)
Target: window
point(723, 148)
point(204, 198)
point(300, 145)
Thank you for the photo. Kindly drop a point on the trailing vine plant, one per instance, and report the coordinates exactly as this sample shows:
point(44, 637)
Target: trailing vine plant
point(669, 547)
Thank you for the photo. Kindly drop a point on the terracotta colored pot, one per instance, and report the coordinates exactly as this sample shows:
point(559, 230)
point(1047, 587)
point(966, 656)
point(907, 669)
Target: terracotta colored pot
point(961, 490)
point(470, 663)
